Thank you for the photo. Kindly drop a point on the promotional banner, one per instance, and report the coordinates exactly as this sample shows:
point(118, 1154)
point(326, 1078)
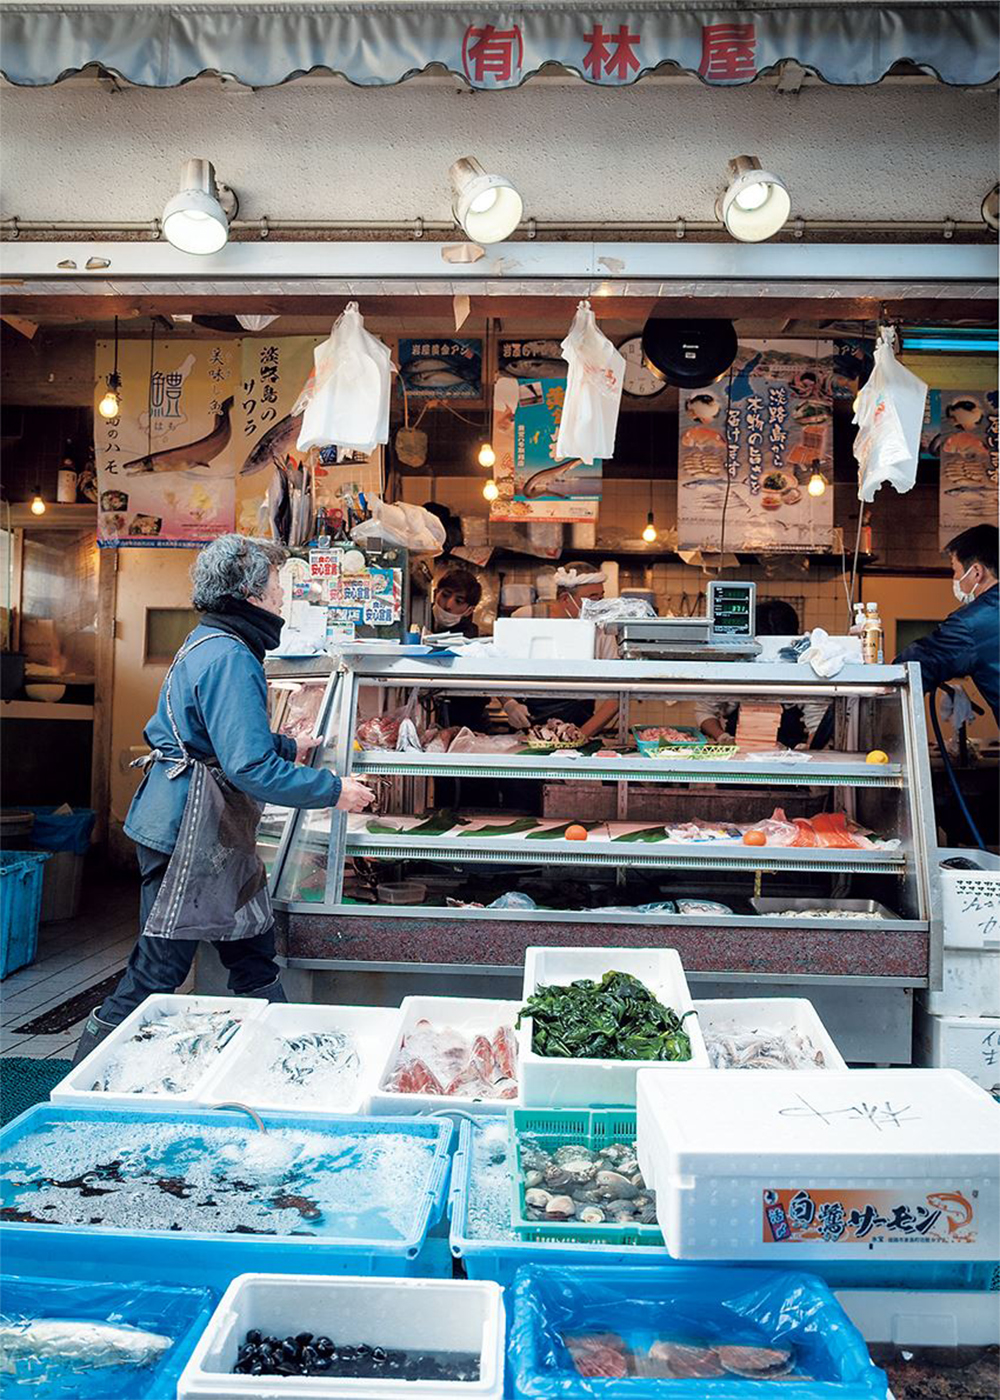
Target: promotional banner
point(441, 369)
point(165, 465)
point(749, 447)
point(960, 430)
point(533, 483)
point(273, 374)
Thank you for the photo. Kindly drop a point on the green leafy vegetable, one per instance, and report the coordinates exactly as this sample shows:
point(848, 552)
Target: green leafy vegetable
point(614, 1019)
point(648, 833)
point(513, 828)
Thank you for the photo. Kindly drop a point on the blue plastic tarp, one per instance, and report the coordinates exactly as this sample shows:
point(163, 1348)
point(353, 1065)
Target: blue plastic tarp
point(66, 832)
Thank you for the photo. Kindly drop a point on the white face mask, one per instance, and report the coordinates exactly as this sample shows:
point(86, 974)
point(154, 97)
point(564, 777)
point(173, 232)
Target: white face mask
point(959, 591)
point(443, 618)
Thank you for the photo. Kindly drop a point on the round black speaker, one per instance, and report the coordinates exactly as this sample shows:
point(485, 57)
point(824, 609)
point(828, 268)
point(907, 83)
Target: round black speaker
point(690, 354)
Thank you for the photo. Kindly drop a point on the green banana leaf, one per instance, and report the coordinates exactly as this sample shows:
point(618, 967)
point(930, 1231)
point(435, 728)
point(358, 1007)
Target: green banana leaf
point(647, 834)
point(513, 828)
point(556, 833)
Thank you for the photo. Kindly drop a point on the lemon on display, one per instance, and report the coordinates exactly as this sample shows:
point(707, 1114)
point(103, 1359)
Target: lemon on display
point(877, 756)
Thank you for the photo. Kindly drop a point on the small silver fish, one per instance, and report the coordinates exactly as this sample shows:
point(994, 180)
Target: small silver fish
point(78, 1344)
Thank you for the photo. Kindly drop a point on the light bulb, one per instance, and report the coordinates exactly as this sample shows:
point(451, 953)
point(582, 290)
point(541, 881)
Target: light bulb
point(817, 484)
point(109, 405)
point(752, 197)
point(487, 457)
point(37, 504)
point(649, 534)
point(484, 202)
point(491, 491)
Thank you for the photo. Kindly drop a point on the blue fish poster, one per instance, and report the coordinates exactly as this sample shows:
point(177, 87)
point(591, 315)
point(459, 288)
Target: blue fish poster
point(960, 431)
point(535, 484)
point(441, 369)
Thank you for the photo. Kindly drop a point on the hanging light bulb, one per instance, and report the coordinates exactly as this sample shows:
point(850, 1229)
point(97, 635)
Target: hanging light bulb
point(110, 405)
point(37, 503)
point(491, 491)
point(487, 457)
point(817, 484)
point(649, 534)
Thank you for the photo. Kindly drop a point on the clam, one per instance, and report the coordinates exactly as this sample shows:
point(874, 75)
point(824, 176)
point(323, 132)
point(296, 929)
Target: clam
point(560, 1208)
point(621, 1212)
point(533, 1178)
point(613, 1186)
point(557, 1177)
point(538, 1200)
point(591, 1215)
point(571, 1152)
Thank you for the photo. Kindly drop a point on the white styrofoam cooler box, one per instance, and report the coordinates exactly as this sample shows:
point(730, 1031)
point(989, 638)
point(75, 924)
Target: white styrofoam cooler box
point(77, 1087)
point(236, 1078)
point(970, 1044)
point(545, 639)
point(470, 1016)
point(824, 1164)
point(970, 981)
point(922, 1317)
point(556, 1083)
point(970, 899)
point(426, 1315)
point(770, 1014)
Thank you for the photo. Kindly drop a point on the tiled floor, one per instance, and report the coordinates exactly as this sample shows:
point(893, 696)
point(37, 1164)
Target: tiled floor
point(72, 955)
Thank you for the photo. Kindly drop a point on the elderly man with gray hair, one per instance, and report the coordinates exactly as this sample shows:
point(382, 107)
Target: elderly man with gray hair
point(214, 763)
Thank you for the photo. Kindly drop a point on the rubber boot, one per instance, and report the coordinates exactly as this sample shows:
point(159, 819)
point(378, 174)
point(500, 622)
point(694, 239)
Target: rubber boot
point(93, 1033)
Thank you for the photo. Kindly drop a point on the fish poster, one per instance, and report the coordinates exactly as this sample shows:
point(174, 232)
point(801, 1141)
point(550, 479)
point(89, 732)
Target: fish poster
point(533, 483)
point(166, 464)
point(531, 359)
point(441, 369)
point(274, 372)
point(749, 445)
point(960, 431)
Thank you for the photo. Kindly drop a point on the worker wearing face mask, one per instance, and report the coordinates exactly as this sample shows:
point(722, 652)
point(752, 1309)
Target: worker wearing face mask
point(968, 642)
point(456, 597)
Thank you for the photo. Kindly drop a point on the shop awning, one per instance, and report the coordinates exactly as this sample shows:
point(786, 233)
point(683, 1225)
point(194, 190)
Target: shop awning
point(378, 44)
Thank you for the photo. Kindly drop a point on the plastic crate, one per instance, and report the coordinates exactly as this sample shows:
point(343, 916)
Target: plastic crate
point(549, 1082)
point(170, 1256)
point(696, 739)
point(77, 1087)
point(232, 1080)
point(593, 1129)
point(470, 1016)
point(743, 1014)
point(409, 1315)
point(21, 876)
point(179, 1313)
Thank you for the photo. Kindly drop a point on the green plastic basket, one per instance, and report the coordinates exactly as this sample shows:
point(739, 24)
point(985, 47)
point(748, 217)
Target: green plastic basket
point(695, 747)
point(592, 1128)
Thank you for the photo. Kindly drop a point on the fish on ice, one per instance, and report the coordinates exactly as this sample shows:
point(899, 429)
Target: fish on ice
point(79, 1344)
point(191, 454)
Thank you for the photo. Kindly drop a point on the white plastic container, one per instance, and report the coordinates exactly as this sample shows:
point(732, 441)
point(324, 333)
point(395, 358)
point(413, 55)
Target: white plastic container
point(425, 1315)
point(558, 1083)
point(77, 1088)
point(468, 1015)
point(745, 1014)
point(923, 1318)
point(970, 1044)
point(970, 899)
point(545, 639)
point(899, 1164)
point(237, 1080)
point(970, 982)
point(402, 892)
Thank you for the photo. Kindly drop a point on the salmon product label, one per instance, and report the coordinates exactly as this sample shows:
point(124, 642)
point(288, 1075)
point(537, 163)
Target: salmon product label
point(944, 1216)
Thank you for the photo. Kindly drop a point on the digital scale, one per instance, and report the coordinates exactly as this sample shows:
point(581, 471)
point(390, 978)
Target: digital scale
point(726, 633)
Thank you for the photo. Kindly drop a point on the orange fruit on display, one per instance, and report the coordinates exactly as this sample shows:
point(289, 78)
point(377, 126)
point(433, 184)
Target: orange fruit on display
point(877, 756)
point(576, 833)
point(754, 838)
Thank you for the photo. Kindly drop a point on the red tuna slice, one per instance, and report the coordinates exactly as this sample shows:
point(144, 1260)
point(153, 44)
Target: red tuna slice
point(602, 1355)
point(753, 1362)
point(413, 1077)
point(505, 1053)
point(469, 1086)
point(482, 1058)
point(679, 1361)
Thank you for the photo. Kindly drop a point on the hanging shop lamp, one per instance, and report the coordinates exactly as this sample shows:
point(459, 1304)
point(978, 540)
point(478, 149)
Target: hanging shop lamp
point(817, 484)
point(649, 534)
point(110, 405)
point(37, 502)
point(197, 219)
point(487, 207)
point(491, 491)
point(756, 204)
point(487, 457)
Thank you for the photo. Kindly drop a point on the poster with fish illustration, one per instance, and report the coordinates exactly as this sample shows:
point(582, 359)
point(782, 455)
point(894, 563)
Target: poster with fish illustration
point(441, 369)
point(749, 445)
point(166, 464)
point(858, 1216)
point(960, 431)
point(531, 359)
point(273, 373)
point(533, 483)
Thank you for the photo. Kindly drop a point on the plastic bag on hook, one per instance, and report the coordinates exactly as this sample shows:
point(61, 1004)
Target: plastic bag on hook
point(346, 398)
point(889, 412)
point(593, 390)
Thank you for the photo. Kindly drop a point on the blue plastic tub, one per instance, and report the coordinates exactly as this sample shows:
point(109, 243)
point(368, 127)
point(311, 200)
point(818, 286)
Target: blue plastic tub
point(173, 1256)
point(20, 904)
point(179, 1313)
point(701, 1306)
point(500, 1259)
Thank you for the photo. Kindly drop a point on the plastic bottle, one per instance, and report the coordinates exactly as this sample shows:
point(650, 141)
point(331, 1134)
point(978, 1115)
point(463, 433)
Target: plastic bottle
point(858, 628)
point(872, 642)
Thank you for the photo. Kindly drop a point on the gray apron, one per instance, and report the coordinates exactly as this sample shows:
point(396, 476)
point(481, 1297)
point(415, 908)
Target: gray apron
point(215, 886)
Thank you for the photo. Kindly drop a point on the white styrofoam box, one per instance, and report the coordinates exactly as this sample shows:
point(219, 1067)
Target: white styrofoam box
point(825, 1164)
point(545, 639)
point(970, 1044)
point(470, 1016)
point(77, 1088)
point(970, 899)
point(970, 982)
point(426, 1315)
point(770, 1014)
point(922, 1317)
point(370, 1028)
point(557, 1083)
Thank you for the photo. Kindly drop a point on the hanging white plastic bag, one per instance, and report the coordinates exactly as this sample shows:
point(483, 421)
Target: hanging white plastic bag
point(404, 524)
point(889, 412)
point(593, 391)
point(346, 399)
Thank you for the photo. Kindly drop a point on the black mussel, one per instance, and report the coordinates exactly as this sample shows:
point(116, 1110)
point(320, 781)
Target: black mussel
point(309, 1355)
point(304, 1338)
point(256, 1367)
point(254, 1338)
point(379, 1354)
point(289, 1349)
point(324, 1345)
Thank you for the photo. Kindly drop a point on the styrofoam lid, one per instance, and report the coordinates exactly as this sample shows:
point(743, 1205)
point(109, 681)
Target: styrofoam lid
point(708, 1121)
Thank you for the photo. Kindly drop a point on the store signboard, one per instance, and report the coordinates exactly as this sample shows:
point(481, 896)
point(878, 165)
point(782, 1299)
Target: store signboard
point(960, 431)
point(166, 464)
point(748, 446)
point(535, 484)
point(441, 369)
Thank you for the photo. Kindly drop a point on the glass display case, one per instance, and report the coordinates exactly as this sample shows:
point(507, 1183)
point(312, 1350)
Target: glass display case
point(298, 698)
point(768, 865)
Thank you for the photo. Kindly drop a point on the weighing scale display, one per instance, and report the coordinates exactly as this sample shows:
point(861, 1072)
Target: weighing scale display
point(732, 610)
